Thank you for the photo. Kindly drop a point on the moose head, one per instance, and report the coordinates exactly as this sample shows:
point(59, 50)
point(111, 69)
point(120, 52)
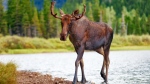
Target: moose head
point(66, 20)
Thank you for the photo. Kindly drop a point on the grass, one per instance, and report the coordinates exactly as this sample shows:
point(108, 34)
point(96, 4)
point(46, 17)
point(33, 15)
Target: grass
point(131, 48)
point(28, 51)
point(8, 73)
point(18, 45)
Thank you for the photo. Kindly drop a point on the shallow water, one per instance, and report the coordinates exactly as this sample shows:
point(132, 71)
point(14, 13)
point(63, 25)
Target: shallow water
point(126, 67)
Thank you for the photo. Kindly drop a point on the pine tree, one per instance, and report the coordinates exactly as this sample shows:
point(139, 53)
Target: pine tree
point(42, 24)
point(143, 24)
point(14, 17)
point(117, 27)
point(1, 10)
point(35, 24)
point(136, 25)
point(27, 6)
point(1, 14)
point(129, 23)
point(18, 19)
point(26, 25)
point(96, 10)
point(46, 11)
point(110, 16)
point(90, 12)
point(54, 28)
point(138, 30)
point(4, 28)
point(123, 26)
point(27, 11)
point(148, 25)
point(11, 13)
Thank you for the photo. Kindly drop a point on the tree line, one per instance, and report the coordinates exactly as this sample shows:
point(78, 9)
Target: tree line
point(126, 17)
point(22, 17)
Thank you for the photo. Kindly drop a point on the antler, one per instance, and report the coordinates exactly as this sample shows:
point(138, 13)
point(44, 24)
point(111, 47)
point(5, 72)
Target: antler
point(80, 16)
point(52, 10)
point(61, 12)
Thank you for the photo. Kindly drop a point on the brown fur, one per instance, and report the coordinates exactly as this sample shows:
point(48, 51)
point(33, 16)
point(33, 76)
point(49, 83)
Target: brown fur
point(87, 35)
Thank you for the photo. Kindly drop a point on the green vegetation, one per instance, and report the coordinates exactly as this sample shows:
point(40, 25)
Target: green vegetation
point(17, 45)
point(127, 17)
point(8, 73)
point(131, 40)
point(131, 48)
point(130, 20)
point(11, 44)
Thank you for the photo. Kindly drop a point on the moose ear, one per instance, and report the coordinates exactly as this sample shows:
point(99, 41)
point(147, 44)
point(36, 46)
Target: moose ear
point(76, 12)
point(61, 12)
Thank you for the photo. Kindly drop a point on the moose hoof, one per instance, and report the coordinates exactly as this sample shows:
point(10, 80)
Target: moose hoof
point(103, 76)
point(106, 82)
point(83, 81)
point(74, 82)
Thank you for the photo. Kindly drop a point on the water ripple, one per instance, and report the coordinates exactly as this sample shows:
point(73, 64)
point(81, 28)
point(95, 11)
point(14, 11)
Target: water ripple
point(126, 67)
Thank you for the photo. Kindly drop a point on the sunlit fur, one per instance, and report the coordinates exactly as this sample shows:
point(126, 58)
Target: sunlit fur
point(86, 35)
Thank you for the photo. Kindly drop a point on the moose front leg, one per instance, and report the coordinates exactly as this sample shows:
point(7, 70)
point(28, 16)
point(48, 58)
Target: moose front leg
point(83, 80)
point(80, 52)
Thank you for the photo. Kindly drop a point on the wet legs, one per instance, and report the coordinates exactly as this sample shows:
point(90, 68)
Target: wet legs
point(78, 61)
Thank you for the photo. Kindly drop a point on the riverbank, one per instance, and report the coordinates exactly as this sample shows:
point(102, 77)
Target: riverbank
point(26, 77)
point(10, 75)
point(29, 51)
point(25, 45)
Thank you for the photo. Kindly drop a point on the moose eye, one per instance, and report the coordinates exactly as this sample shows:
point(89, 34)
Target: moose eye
point(62, 23)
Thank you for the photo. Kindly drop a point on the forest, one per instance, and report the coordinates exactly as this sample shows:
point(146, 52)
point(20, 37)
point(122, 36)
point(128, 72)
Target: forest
point(25, 18)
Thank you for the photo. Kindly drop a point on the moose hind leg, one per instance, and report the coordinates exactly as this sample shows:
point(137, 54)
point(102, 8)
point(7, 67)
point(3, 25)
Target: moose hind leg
point(107, 62)
point(101, 51)
point(102, 71)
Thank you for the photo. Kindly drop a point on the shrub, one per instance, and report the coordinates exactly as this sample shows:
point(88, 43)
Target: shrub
point(7, 73)
point(1, 35)
point(146, 40)
point(61, 44)
point(130, 40)
point(16, 42)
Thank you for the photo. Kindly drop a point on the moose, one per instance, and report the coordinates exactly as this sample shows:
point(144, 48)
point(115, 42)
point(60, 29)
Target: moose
point(85, 35)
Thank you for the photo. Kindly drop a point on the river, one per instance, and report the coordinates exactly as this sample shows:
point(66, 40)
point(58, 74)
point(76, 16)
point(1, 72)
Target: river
point(126, 67)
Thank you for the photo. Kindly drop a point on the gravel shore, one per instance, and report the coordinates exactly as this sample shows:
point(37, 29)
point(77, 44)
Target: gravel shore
point(27, 77)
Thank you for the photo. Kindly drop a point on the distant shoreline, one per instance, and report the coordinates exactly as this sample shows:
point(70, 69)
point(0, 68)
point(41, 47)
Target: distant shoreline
point(27, 45)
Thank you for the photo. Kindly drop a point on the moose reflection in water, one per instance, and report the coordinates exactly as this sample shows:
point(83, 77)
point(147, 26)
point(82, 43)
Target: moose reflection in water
point(85, 35)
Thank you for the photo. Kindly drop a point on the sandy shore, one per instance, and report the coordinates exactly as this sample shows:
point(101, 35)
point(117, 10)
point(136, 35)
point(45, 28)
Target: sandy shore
point(26, 77)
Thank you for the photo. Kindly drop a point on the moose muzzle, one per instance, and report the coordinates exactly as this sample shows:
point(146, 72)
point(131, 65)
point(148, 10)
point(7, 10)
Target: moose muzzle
point(63, 36)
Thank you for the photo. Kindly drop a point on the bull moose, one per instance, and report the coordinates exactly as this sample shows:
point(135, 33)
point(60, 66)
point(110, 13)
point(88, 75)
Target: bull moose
point(85, 35)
